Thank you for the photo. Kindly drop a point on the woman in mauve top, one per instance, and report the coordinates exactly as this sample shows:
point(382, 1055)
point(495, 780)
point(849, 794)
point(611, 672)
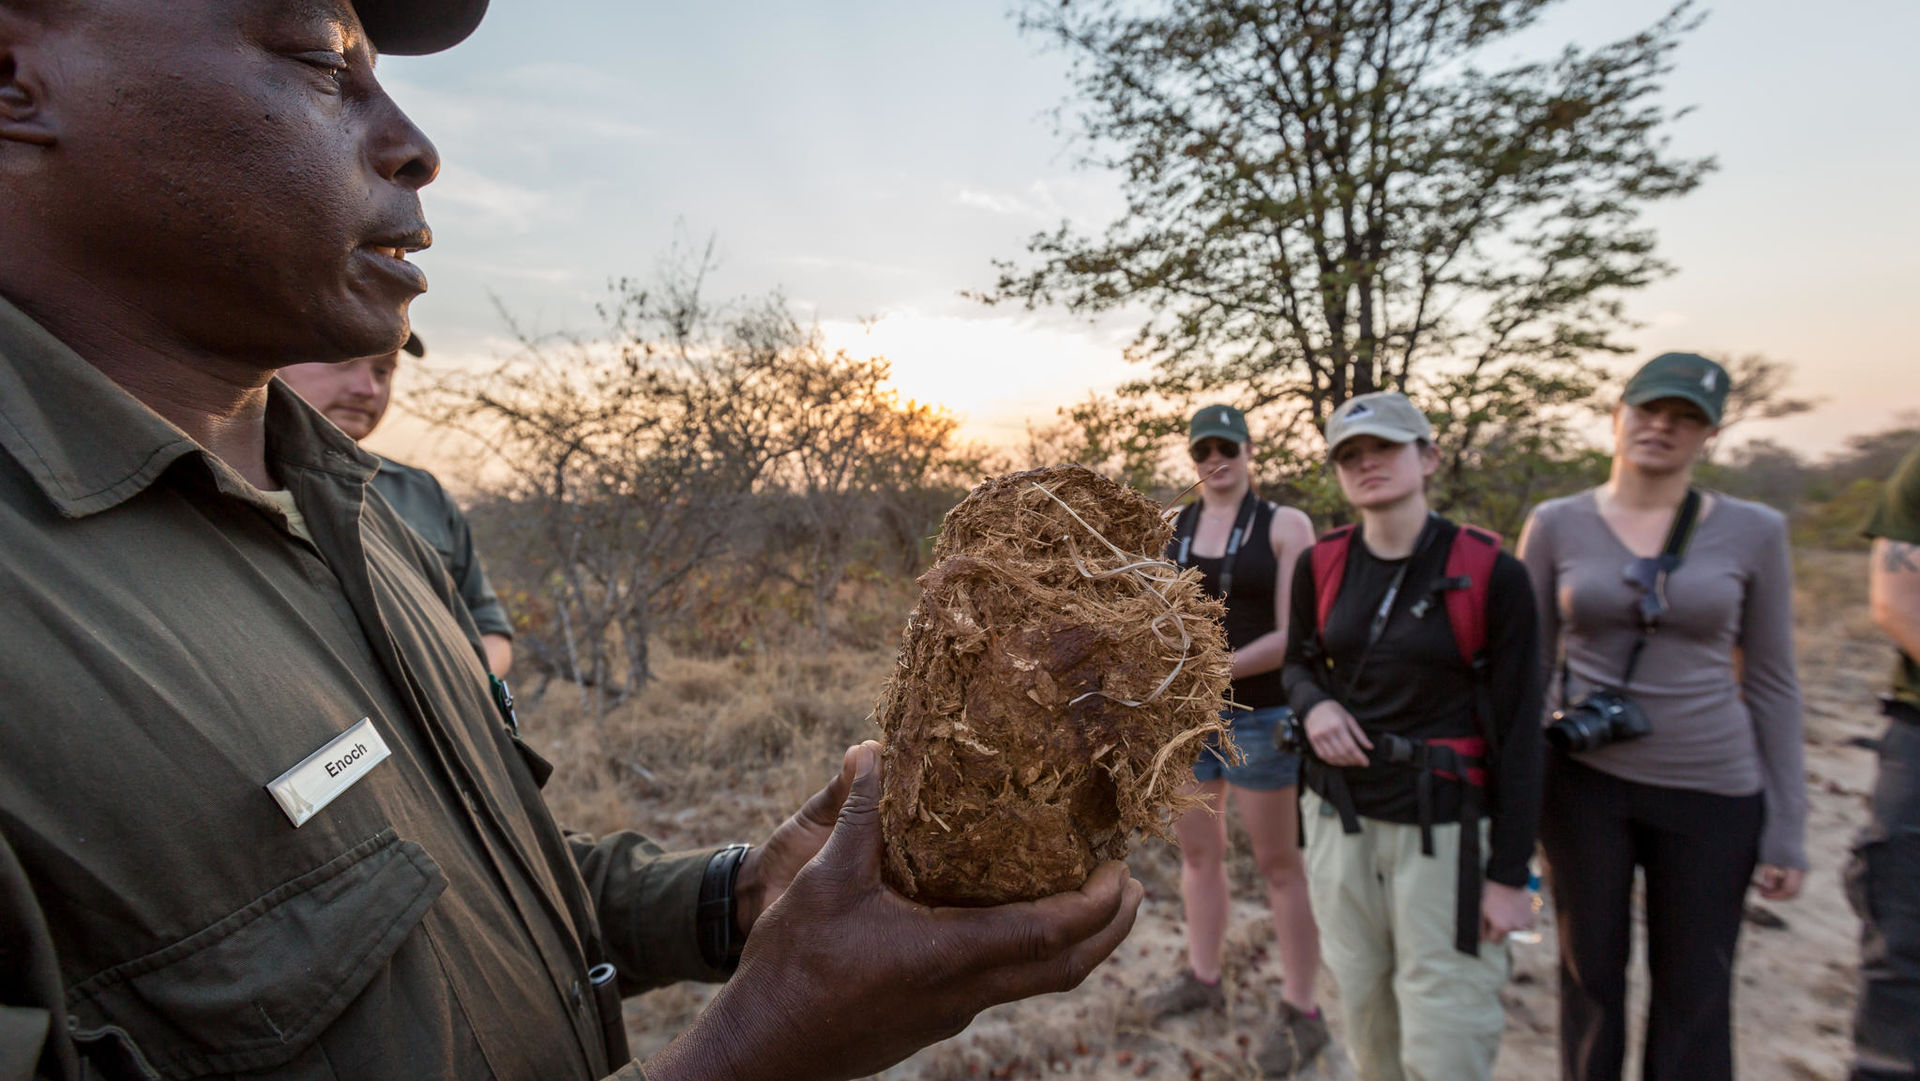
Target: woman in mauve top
point(1712, 798)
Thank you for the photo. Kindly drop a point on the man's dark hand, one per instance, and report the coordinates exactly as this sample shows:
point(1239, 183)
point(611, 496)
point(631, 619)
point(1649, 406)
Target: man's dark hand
point(768, 869)
point(844, 977)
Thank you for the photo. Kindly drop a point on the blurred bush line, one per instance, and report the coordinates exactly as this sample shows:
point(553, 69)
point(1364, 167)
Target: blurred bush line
point(710, 476)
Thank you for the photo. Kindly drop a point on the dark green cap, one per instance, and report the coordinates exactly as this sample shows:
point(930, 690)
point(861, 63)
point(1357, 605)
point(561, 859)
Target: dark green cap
point(1218, 422)
point(1688, 376)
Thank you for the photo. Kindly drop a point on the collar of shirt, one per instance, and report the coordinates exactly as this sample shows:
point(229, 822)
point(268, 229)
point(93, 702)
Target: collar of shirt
point(89, 445)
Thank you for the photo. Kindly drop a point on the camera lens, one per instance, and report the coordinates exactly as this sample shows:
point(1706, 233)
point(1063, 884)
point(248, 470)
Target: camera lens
point(1578, 731)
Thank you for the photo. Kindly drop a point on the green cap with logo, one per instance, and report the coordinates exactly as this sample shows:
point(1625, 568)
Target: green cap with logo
point(1688, 376)
point(1218, 422)
point(1384, 413)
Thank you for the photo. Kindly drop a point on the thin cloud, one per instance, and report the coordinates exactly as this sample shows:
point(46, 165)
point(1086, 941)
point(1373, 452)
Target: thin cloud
point(851, 266)
point(996, 204)
point(496, 203)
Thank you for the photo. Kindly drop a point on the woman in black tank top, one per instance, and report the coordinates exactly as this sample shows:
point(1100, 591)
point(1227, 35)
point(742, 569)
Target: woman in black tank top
point(1244, 548)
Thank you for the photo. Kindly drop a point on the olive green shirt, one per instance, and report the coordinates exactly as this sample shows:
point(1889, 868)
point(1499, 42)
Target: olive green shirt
point(416, 495)
point(1897, 518)
point(169, 648)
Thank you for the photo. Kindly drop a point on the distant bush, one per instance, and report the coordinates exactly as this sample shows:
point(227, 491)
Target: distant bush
point(1835, 524)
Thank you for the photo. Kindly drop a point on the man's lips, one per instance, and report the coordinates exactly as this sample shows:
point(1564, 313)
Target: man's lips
point(398, 243)
point(390, 254)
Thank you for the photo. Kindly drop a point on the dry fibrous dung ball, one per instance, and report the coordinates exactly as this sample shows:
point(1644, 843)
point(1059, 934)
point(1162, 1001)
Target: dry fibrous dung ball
point(1054, 684)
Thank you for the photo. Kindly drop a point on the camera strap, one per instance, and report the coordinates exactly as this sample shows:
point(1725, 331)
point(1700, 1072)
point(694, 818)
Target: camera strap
point(1336, 779)
point(1679, 535)
point(1377, 628)
point(1242, 528)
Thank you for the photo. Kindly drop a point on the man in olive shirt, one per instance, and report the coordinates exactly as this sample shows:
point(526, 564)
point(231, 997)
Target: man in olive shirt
point(1884, 878)
point(259, 814)
point(355, 396)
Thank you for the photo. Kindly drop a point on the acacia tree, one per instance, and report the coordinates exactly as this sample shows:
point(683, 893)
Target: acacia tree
point(1330, 197)
point(855, 452)
point(689, 431)
point(633, 456)
point(1757, 390)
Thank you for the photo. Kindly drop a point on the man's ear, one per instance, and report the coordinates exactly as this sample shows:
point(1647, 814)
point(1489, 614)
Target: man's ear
point(24, 117)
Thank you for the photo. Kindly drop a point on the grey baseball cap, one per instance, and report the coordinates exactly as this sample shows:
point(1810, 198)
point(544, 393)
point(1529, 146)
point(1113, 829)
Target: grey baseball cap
point(1384, 413)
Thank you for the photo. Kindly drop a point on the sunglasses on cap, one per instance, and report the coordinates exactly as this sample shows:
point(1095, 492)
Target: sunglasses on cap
point(1205, 449)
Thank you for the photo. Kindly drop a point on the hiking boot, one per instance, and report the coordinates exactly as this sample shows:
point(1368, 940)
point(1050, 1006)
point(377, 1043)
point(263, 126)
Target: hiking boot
point(1294, 1044)
point(1185, 995)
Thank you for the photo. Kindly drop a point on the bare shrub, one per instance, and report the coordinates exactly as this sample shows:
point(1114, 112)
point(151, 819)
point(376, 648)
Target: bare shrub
point(671, 474)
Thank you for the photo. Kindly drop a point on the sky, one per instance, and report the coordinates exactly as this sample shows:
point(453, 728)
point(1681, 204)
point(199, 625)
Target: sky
point(870, 160)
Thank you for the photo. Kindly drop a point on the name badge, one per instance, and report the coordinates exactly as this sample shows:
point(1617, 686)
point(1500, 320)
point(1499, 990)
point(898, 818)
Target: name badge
point(307, 788)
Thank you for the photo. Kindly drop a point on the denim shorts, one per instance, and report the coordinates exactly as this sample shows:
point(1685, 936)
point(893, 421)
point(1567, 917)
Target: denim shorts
point(1266, 767)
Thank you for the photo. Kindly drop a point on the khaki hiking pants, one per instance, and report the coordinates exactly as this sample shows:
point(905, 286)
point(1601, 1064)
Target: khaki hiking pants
point(1416, 1009)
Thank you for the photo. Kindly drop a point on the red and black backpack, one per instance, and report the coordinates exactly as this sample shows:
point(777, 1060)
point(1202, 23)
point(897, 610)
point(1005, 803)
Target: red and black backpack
point(1469, 571)
point(1466, 582)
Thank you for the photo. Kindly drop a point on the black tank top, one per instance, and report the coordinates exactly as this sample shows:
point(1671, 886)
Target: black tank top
point(1250, 606)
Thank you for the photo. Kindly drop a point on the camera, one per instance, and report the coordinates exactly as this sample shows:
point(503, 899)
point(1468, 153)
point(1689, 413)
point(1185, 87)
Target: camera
point(1393, 750)
point(1602, 717)
point(1290, 735)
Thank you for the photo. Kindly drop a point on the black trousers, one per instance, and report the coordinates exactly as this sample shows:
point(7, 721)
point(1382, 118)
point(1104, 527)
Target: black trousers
point(1698, 851)
point(1883, 882)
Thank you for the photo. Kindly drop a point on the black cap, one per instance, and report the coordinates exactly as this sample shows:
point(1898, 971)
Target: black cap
point(418, 27)
point(414, 345)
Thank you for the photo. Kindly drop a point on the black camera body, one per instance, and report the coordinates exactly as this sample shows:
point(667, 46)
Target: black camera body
point(1600, 718)
point(1290, 735)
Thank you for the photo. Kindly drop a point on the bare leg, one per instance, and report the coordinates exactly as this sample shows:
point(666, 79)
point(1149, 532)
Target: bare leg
point(1202, 833)
point(1272, 825)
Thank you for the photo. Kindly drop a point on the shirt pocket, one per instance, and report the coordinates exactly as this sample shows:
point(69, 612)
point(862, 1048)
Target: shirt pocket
point(254, 990)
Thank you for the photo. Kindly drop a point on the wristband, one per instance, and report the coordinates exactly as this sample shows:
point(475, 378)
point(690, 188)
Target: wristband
point(714, 919)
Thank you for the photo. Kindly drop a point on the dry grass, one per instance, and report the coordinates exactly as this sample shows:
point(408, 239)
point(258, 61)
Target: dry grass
point(729, 747)
point(712, 749)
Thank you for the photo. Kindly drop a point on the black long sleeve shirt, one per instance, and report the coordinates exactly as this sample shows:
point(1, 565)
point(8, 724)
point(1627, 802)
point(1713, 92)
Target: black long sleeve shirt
point(1416, 684)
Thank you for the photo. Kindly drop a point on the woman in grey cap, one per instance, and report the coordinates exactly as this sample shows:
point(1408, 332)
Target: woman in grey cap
point(1676, 748)
point(1415, 669)
point(1244, 548)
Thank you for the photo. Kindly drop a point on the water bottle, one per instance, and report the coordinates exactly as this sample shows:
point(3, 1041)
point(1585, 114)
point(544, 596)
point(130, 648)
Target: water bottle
point(1532, 935)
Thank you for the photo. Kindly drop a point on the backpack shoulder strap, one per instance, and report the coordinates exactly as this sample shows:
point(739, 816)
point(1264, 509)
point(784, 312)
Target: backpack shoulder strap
point(1329, 556)
point(1470, 561)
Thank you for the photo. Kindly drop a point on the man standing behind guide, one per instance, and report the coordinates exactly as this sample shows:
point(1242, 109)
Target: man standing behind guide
point(258, 813)
point(354, 396)
point(1883, 880)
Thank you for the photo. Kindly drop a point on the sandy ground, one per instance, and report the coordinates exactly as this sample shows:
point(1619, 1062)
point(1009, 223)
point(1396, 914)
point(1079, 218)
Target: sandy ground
point(1795, 971)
